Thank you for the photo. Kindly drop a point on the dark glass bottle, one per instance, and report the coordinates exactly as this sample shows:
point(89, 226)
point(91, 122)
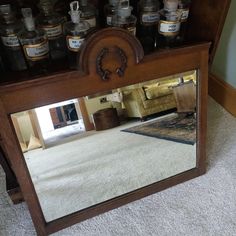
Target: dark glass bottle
point(2, 65)
point(9, 29)
point(123, 18)
point(75, 31)
point(184, 6)
point(26, 4)
point(62, 7)
point(35, 44)
point(52, 24)
point(169, 24)
point(148, 15)
point(88, 13)
point(161, 4)
point(110, 11)
point(134, 4)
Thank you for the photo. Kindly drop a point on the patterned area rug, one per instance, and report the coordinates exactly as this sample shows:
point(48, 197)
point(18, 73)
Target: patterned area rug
point(175, 128)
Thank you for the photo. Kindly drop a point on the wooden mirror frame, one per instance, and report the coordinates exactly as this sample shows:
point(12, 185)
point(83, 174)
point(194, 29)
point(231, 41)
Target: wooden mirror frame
point(124, 52)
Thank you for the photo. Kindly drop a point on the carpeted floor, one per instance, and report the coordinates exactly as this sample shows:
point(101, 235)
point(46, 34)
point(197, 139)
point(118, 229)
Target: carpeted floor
point(56, 136)
point(203, 206)
point(98, 166)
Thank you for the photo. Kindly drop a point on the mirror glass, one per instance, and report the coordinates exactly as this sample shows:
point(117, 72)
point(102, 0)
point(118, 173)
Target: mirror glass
point(88, 150)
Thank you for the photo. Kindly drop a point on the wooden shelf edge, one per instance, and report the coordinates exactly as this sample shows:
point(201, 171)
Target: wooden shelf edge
point(57, 76)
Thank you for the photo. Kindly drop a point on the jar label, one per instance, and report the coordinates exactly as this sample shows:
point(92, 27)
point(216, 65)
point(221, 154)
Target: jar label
point(53, 31)
point(10, 41)
point(109, 20)
point(169, 28)
point(150, 18)
point(132, 30)
point(184, 14)
point(36, 52)
point(91, 21)
point(74, 43)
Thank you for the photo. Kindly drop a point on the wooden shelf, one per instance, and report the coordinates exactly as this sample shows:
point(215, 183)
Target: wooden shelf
point(11, 77)
point(62, 86)
point(62, 69)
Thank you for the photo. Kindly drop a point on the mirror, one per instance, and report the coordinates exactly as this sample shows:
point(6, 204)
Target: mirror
point(88, 150)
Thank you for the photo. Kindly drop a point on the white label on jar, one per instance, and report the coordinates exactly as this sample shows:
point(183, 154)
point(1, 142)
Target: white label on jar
point(74, 43)
point(10, 41)
point(169, 27)
point(36, 52)
point(132, 30)
point(91, 21)
point(150, 17)
point(53, 31)
point(184, 14)
point(109, 20)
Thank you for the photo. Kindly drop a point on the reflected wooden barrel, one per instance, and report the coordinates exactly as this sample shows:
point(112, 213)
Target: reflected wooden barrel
point(106, 119)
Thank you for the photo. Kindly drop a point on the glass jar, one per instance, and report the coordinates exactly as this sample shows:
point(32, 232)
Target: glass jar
point(75, 32)
point(62, 8)
point(9, 29)
point(88, 13)
point(35, 44)
point(19, 4)
point(124, 19)
point(169, 24)
point(52, 23)
point(2, 65)
point(148, 15)
point(110, 11)
point(184, 6)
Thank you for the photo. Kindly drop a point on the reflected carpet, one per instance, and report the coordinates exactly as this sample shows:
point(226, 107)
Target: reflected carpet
point(175, 128)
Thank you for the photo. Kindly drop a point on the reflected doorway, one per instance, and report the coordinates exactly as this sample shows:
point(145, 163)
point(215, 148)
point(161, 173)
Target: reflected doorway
point(59, 121)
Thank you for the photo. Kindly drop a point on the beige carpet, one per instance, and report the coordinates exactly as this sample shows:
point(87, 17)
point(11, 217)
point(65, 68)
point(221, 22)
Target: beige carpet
point(54, 137)
point(205, 206)
point(103, 165)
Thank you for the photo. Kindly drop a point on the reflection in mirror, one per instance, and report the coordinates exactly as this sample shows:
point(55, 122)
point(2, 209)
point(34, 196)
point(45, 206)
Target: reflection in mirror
point(88, 150)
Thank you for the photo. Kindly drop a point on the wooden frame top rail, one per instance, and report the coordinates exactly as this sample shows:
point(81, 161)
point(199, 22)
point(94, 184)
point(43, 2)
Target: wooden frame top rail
point(64, 86)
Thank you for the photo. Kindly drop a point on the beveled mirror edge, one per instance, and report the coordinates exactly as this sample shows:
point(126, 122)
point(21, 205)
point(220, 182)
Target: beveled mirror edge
point(199, 58)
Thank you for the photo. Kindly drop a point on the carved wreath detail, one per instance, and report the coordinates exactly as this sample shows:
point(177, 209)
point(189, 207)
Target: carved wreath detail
point(105, 73)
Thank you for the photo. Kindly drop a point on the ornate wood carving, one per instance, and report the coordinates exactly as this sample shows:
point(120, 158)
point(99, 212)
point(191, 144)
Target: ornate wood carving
point(121, 70)
point(121, 56)
point(104, 73)
point(121, 50)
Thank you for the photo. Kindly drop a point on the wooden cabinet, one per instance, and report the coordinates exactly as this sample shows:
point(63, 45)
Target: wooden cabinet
point(111, 58)
point(206, 22)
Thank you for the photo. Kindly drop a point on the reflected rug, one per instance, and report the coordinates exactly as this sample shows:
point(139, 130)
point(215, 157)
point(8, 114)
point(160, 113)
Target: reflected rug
point(176, 128)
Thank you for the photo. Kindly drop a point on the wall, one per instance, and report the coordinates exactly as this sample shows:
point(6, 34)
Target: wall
point(93, 105)
point(224, 63)
point(45, 120)
point(25, 125)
